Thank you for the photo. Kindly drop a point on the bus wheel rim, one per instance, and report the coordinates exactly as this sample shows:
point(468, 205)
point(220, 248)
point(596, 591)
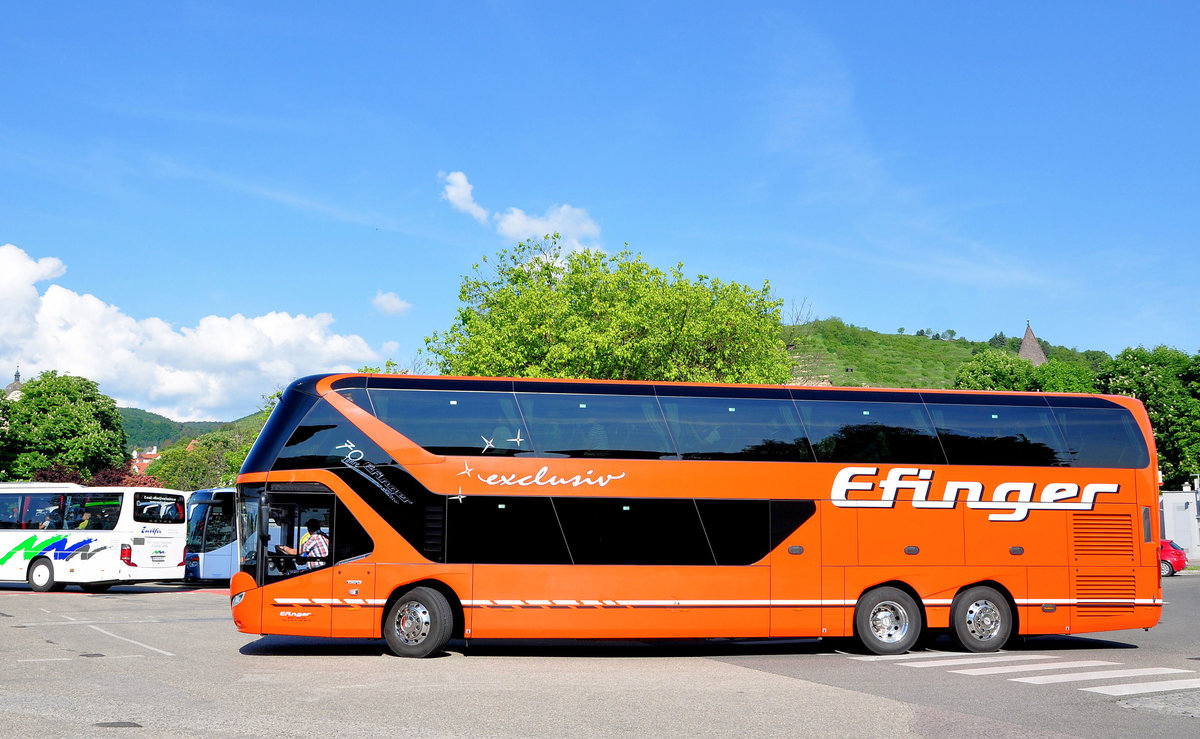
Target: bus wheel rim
point(41, 574)
point(412, 623)
point(889, 622)
point(983, 620)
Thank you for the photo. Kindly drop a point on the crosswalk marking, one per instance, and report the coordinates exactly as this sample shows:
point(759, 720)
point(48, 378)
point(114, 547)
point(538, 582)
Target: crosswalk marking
point(1030, 668)
point(1136, 688)
point(909, 655)
point(980, 660)
point(1099, 675)
point(1012, 662)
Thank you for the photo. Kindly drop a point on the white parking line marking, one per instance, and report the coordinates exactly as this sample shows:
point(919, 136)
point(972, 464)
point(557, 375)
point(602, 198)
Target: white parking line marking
point(1099, 675)
point(1136, 688)
point(131, 641)
point(981, 660)
point(1030, 668)
point(889, 657)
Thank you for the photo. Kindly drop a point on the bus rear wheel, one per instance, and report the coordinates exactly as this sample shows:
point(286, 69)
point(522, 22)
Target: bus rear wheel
point(887, 621)
point(982, 619)
point(41, 576)
point(419, 623)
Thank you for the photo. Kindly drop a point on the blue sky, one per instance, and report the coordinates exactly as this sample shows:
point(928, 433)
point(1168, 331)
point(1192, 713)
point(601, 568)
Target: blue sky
point(201, 201)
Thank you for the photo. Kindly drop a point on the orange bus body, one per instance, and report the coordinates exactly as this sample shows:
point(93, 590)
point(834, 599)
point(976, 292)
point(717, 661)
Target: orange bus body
point(1070, 549)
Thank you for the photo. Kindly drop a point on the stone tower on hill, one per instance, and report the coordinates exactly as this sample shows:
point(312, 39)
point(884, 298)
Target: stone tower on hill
point(1030, 348)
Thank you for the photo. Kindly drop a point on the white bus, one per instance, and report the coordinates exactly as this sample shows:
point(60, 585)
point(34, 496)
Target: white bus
point(58, 534)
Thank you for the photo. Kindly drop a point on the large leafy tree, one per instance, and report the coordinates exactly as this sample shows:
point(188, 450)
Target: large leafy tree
point(993, 369)
point(1167, 381)
point(545, 311)
point(1064, 377)
point(61, 420)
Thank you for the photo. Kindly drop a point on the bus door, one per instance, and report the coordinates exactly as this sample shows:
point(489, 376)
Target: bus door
point(795, 568)
point(298, 597)
point(355, 610)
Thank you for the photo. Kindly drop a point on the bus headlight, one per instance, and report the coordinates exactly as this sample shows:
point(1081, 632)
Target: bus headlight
point(233, 602)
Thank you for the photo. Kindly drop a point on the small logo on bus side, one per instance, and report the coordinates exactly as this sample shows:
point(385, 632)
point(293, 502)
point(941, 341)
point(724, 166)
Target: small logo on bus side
point(295, 614)
point(542, 478)
point(1014, 499)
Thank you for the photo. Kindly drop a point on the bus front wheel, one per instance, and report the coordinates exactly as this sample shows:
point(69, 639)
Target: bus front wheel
point(41, 576)
point(887, 621)
point(418, 623)
point(981, 618)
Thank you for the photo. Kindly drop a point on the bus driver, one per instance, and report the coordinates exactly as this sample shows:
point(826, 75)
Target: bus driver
point(314, 549)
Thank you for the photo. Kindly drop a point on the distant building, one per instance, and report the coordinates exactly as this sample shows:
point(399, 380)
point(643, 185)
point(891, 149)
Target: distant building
point(13, 391)
point(142, 460)
point(1030, 348)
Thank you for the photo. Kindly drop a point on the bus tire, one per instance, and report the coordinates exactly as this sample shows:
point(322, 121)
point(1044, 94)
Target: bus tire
point(419, 623)
point(887, 621)
point(982, 619)
point(40, 576)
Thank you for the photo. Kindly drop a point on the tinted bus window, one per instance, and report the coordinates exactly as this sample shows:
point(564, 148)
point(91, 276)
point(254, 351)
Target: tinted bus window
point(93, 510)
point(455, 422)
point(322, 441)
point(622, 426)
point(43, 511)
point(749, 429)
point(158, 508)
point(633, 531)
point(350, 539)
point(863, 431)
point(504, 530)
point(10, 511)
point(738, 530)
point(1000, 435)
point(1103, 437)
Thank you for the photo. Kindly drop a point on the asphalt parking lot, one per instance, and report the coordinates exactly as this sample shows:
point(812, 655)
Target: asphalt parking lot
point(165, 660)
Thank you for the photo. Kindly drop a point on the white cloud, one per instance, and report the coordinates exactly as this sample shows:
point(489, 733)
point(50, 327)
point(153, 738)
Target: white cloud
point(575, 227)
point(390, 303)
point(458, 192)
point(217, 369)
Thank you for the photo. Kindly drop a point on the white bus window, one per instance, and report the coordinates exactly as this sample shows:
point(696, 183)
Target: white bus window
point(158, 508)
point(98, 511)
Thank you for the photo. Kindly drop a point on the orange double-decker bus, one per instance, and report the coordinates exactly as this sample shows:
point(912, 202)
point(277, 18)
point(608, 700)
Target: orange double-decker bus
point(418, 509)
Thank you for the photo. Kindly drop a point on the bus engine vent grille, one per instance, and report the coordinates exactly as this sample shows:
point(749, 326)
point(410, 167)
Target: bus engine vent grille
point(1105, 595)
point(433, 539)
point(1103, 535)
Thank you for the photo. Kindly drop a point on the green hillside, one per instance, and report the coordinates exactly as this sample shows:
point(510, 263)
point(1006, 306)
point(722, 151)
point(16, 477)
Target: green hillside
point(145, 429)
point(831, 352)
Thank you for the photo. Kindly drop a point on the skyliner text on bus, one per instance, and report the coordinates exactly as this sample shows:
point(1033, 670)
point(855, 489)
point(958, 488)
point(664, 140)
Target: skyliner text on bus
point(418, 509)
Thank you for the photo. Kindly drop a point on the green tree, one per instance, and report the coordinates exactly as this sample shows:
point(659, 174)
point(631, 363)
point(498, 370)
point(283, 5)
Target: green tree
point(1164, 379)
point(547, 312)
point(1063, 377)
point(211, 460)
point(993, 369)
point(61, 420)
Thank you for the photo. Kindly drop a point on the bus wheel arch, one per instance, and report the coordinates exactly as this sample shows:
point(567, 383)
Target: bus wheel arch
point(983, 617)
point(420, 618)
point(889, 618)
point(40, 576)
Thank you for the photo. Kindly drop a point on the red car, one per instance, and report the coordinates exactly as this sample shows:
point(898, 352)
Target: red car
point(1171, 558)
